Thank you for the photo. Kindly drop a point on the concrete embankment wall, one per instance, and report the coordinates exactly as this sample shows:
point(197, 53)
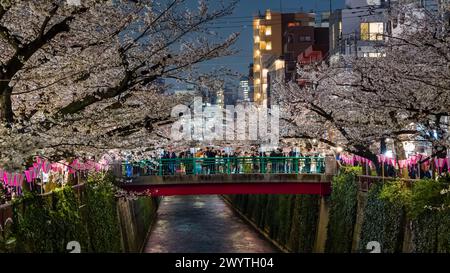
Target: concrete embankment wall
point(294, 223)
point(136, 218)
point(344, 223)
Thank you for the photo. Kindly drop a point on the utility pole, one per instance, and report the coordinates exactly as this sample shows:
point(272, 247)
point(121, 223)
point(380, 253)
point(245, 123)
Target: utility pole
point(389, 24)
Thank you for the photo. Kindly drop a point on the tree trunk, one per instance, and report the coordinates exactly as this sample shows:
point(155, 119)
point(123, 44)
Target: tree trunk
point(6, 113)
point(401, 155)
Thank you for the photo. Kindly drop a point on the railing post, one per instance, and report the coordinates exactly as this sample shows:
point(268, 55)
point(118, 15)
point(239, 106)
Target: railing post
point(295, 162)
point(194, 168)
point(160, 167)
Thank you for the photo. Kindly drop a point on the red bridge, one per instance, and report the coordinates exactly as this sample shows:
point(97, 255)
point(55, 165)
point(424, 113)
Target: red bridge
point(167, 185)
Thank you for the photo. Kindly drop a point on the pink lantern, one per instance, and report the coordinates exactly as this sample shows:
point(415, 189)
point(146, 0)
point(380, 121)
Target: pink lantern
point(46, 166)
point(29, 176)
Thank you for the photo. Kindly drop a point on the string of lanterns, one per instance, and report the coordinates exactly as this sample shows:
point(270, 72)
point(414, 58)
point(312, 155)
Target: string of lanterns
point(15, 180)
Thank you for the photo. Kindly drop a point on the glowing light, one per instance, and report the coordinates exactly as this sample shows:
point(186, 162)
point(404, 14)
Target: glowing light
point(389, 154)
point(339, 149)
point(410, 147)
point(268, 15)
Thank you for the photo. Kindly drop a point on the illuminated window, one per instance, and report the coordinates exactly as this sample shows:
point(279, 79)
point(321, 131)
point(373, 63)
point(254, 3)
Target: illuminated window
point(256, 24)
point(257, 67)
point(293, 24)
point(257, 52)
point(269, 46)
point(372, 31)
point(264, 87)
point(340, 28)
point(268, 30)
point(262, 45)
point(364, 31)
point(279, 64)
point(268, 15)
point(257, 39)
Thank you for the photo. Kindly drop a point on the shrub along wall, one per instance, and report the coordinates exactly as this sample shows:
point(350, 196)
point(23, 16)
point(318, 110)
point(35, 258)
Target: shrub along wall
point(428, 208)
point(90, 216)
point(383, 222)
point(388, 211)
point(342, 215)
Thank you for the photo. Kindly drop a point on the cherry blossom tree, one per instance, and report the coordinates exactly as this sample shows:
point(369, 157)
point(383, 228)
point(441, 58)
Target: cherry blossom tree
point(81, 80)
point(357, 102)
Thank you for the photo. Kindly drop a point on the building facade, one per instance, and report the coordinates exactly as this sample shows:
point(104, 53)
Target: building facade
point(270, 44)
point(358, 29)
point(244, 90)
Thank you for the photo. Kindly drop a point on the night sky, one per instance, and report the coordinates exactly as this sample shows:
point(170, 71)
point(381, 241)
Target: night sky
point(241, 21)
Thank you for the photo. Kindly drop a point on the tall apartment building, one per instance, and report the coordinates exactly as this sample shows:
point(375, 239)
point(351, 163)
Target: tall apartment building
point(270, 42)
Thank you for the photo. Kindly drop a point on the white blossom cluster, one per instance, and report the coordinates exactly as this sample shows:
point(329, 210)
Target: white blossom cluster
point(84, 80)
point(356, 102)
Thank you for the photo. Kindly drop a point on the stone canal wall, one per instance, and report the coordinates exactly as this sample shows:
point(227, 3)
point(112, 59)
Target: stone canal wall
point(360, 210)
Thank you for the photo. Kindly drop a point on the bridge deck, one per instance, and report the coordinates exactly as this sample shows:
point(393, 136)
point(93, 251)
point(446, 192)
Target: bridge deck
point(230, 184)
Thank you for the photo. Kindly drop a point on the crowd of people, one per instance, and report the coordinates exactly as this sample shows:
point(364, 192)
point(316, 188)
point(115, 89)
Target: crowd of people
point(210, 160)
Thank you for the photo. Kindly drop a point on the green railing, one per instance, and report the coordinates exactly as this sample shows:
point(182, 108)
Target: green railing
point(224, 165)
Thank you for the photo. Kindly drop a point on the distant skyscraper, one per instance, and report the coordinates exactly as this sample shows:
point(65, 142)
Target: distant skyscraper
point(244, 89)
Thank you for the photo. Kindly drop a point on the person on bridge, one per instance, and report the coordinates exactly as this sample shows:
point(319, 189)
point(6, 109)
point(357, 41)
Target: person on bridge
point(210, 154)
point(247, 163)
point(198, 163)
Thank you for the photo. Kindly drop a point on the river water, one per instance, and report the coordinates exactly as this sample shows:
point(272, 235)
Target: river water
point(202, 224)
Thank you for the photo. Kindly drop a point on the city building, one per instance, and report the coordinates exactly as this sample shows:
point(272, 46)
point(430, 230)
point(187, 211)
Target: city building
point(250, 83)
point(189, 89)
point(231, 94)
point(244, 90)
point(323, 19)
point(303, 45)
point(357, 30)
point(271, 42)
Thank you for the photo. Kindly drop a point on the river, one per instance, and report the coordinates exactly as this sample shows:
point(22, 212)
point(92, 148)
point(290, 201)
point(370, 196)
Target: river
point(202, 224)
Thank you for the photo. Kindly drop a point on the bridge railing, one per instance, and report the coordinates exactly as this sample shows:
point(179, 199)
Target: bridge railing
point(224, 165)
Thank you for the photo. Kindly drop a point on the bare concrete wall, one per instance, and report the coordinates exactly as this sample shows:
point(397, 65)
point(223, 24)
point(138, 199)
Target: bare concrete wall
point(136, 218)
